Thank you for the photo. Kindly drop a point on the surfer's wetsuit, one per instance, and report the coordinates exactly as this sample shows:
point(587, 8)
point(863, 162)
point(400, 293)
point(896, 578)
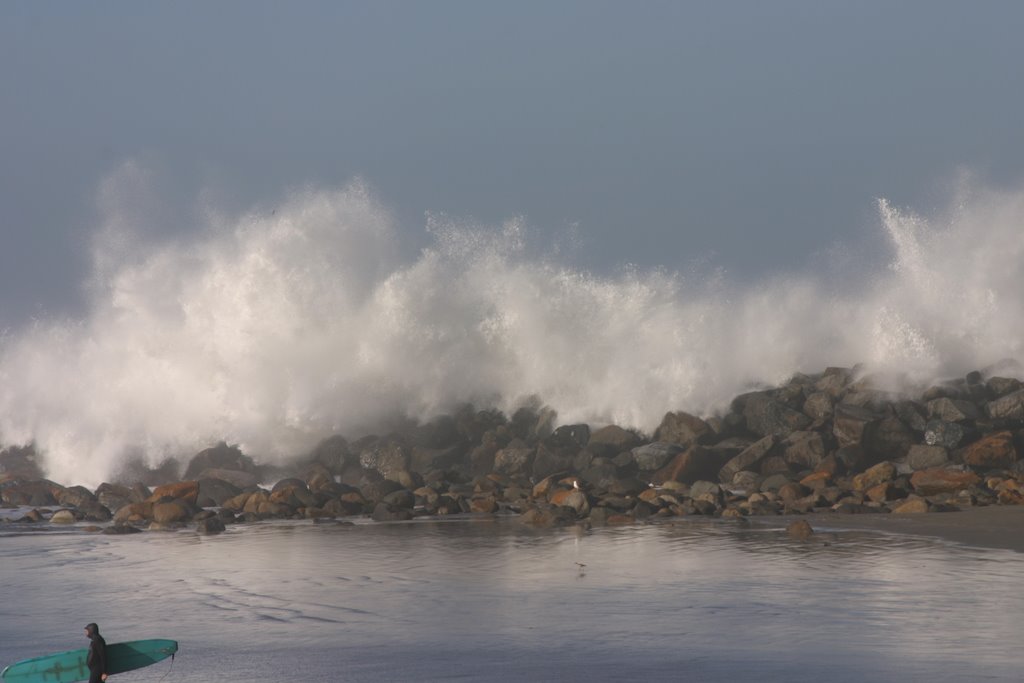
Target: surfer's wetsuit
point(97, 657)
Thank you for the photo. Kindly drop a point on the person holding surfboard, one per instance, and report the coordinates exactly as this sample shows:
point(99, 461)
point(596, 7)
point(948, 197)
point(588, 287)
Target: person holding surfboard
point(96, 660)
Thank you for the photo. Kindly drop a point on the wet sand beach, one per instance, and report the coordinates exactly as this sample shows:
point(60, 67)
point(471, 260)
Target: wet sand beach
point(995, 526)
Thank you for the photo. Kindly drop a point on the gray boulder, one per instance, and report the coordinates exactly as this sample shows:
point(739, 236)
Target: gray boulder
point(1008, 407)
point(748, 459)
point(944, 434)
point(767, 416)
point(924, 456)
point(654, 456)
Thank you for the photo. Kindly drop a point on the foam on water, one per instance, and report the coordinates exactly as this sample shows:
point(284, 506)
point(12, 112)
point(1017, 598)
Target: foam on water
point(277, 328)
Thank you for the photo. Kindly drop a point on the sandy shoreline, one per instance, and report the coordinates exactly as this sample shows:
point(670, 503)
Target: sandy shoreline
point(995, 526)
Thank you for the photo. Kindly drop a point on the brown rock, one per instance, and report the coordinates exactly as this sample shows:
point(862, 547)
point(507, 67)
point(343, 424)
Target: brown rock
point(791, 491)
point(882, 472)
point(63, 517)
point(938, 480)
point(171, 512)
point(913, 505)
point(185, 490)
point(691, 465)
point(572, 498)
point(486, 504)
point(800, 529)
point(817, 481)
point(134, 512)
point(995, 451)
point(881, 492)
point(235, 503)
point(255, 500)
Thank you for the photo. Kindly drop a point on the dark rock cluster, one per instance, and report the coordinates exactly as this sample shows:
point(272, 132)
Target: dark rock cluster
point(827, 442)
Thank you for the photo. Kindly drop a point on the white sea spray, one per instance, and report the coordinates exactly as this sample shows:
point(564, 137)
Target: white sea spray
point(277, 328)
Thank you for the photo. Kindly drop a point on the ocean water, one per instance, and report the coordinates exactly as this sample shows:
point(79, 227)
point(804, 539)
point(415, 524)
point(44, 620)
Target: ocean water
point(471, 600)
point(283, 325)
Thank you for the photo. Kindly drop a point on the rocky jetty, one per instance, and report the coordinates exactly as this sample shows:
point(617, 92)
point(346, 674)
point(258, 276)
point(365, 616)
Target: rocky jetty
point(834, 441)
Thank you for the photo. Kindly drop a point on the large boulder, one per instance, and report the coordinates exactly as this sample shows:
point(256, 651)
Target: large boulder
point(1001, 386)
point(612, 440)
point(923, 457)
point(819, 406)
point(63, 517)
point(210, 526)
point(1008, 407)
point(513, 460)
point(333, 453)
point(766, 415)
point(803, 450)
point(37, 493)
point(374, 489)
point(683, 429)
point(693, 464)
point(748, 459)
point(115, 496)
point(213, 492)
point(387, 457)
point(134, 513)
point(654, 456)
point(570, 437)
point(877, 474)
point(571, 498)
point(384, 512)
point(184, 490)
point(991, 452)
point(911, 506)
point(939, 480)
point(849, 423)
point(237, 478)
point(221, 456)
point(551, 459)
point(887, 439)
point(834, 381)
point(171, 512)
point(943, 433)
point(952, 410)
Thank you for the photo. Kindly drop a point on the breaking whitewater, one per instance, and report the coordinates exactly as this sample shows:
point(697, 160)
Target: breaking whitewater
point(279, 328)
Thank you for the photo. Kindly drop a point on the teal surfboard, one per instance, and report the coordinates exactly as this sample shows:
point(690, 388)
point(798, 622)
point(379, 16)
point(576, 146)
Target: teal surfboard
point(68, 667)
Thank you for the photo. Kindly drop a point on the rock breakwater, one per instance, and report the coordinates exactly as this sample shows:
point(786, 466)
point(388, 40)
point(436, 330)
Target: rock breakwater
point(834, 441)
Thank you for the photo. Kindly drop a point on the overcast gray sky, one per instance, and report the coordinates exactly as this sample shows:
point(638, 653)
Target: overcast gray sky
point(753, 134)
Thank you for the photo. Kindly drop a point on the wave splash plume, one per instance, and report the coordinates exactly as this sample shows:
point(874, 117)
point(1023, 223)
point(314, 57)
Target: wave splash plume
point(276, 329)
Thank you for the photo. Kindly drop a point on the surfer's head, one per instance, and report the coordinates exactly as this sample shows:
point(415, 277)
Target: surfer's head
point(92, 630)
